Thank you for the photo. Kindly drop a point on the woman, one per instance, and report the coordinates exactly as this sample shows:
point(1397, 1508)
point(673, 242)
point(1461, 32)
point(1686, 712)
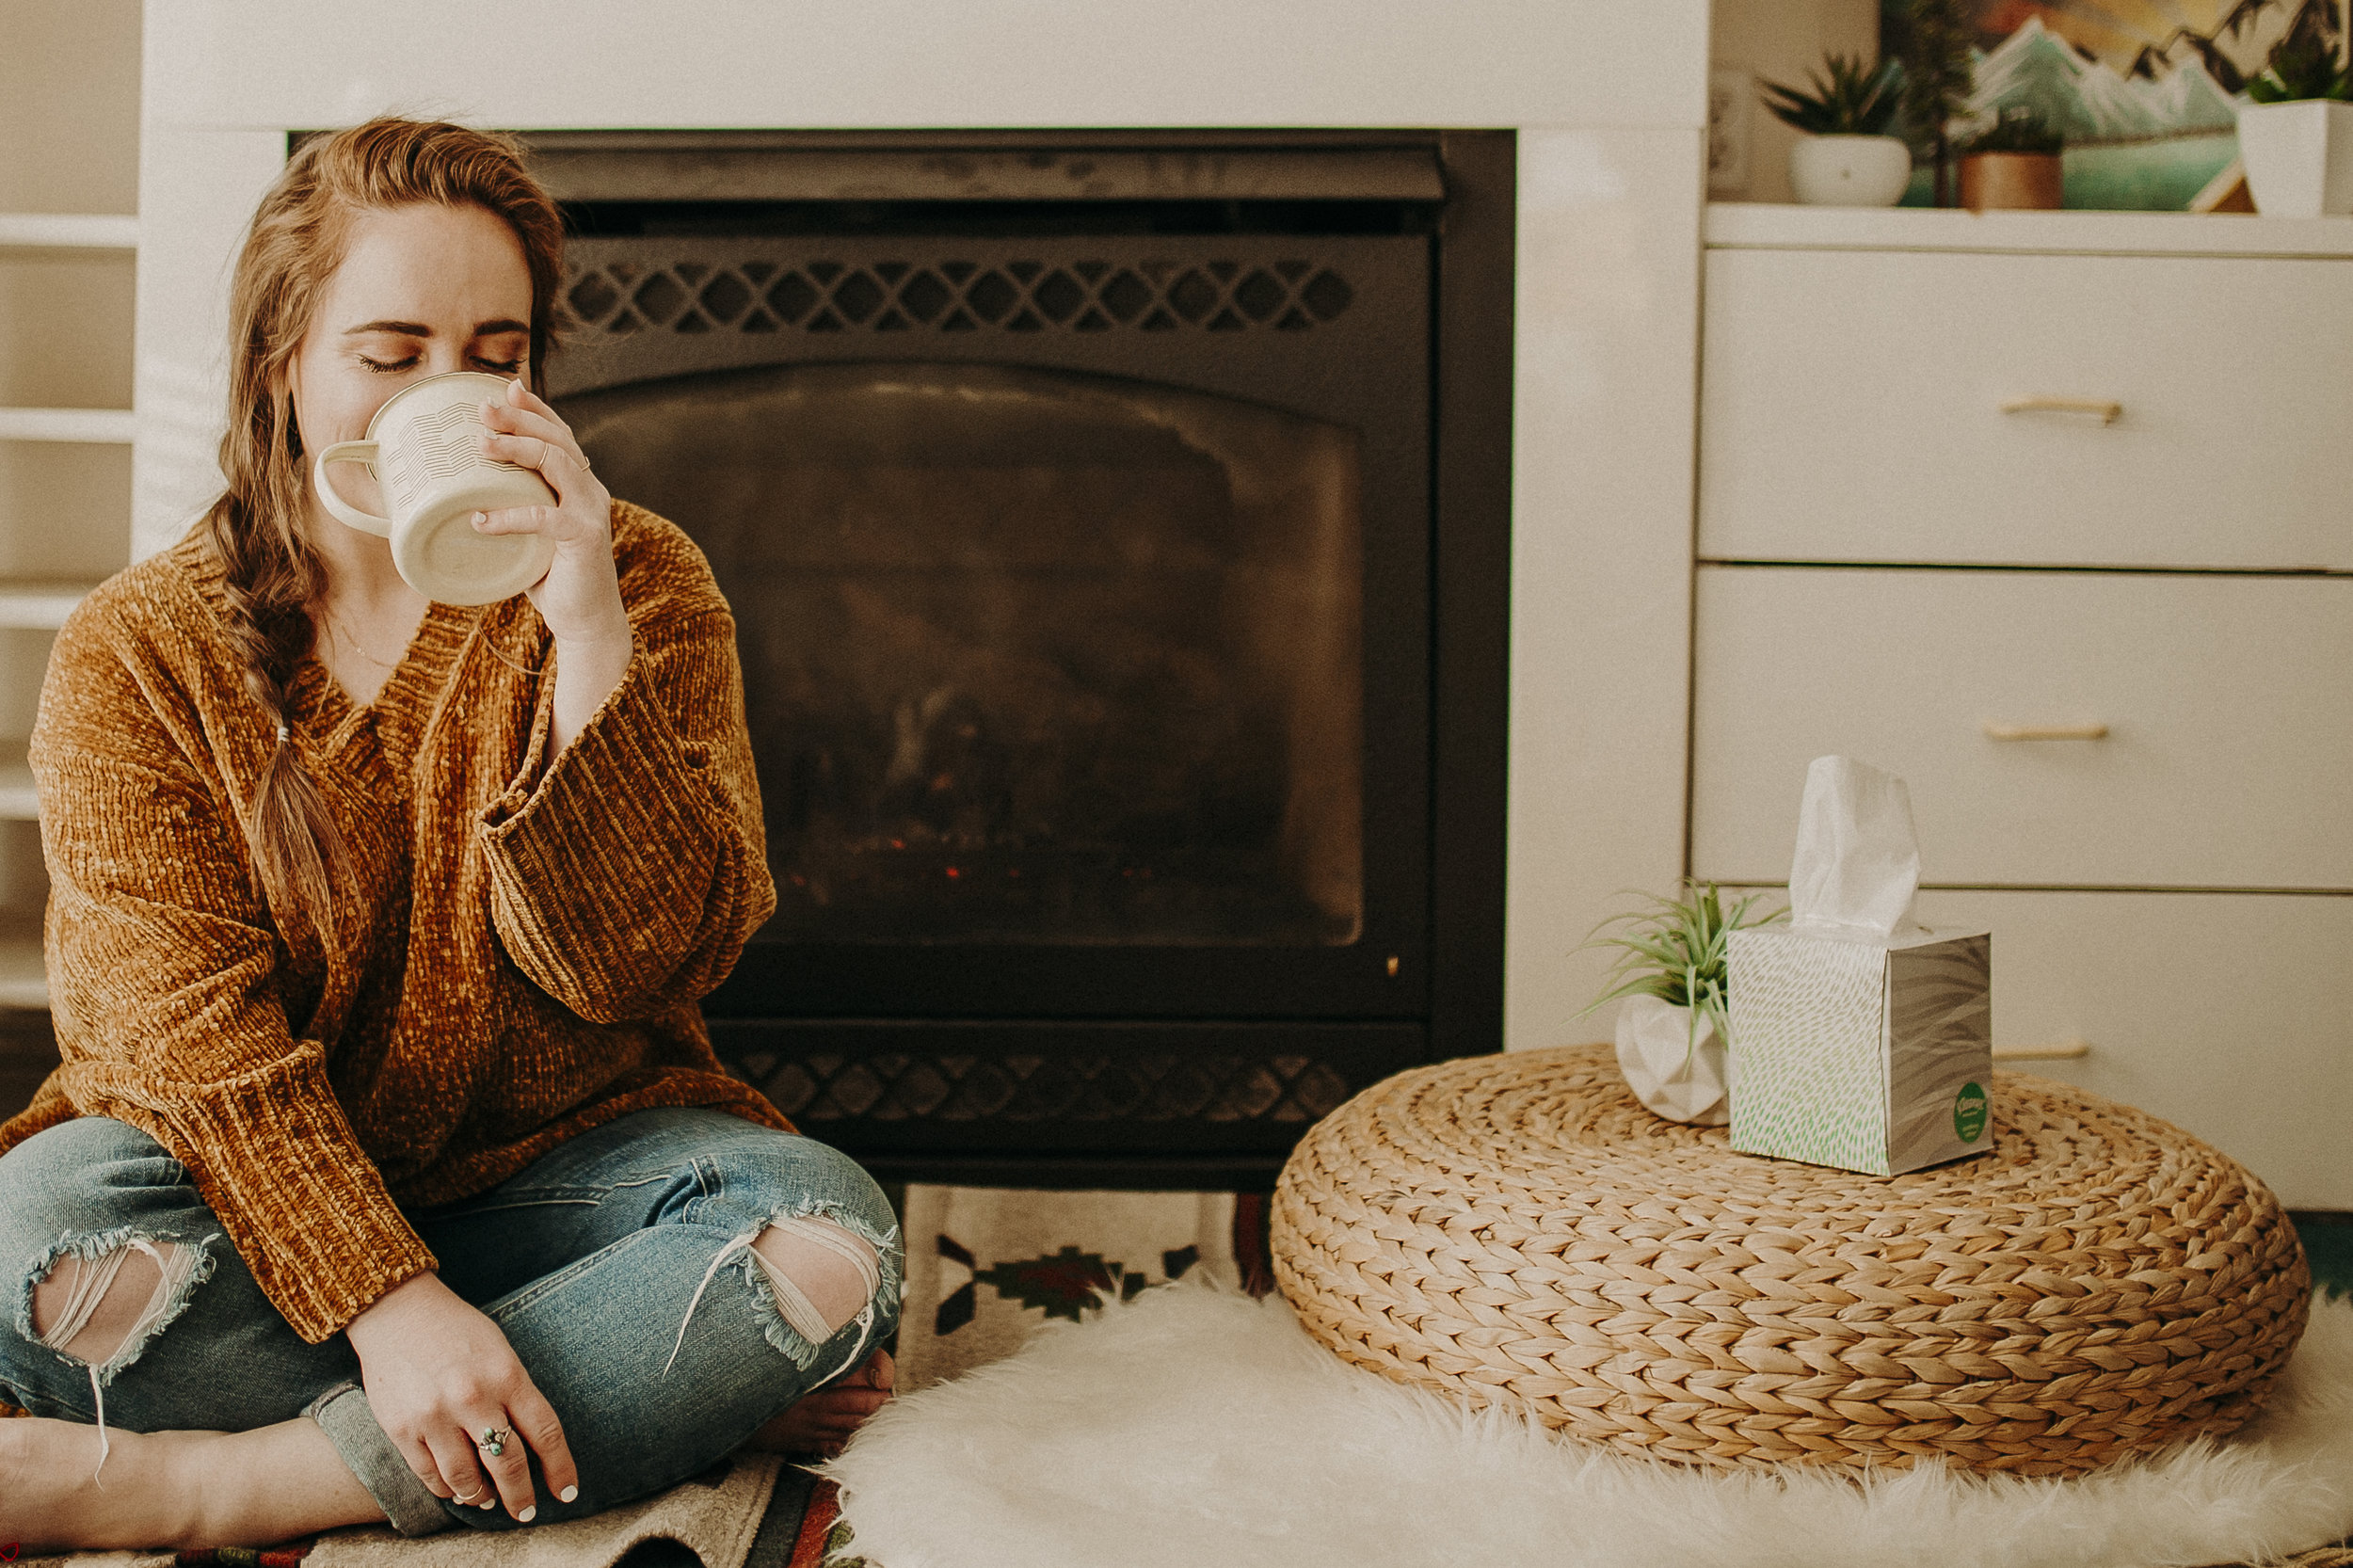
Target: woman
point(390, 1175)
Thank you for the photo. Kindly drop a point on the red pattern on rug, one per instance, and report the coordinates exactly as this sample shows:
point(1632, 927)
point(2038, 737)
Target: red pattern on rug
point(809, 1548)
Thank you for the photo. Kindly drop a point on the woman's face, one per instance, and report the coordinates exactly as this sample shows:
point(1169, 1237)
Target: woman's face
point(422, 290)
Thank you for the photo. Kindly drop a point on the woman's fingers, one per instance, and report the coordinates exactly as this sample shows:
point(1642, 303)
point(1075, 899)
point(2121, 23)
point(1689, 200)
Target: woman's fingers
point(524, 519)
point(536, 1422)
point(509, 1466)
point(535, 419)
point(453, 1457)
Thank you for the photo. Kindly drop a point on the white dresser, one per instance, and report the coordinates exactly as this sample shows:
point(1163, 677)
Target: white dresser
point(2052, 514)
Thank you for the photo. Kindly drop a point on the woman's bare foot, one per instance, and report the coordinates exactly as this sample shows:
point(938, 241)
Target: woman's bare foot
point(824, 1420)
point(173, 1489)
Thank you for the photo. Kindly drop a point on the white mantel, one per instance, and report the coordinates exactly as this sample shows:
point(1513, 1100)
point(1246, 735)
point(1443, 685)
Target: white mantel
point(1610, 99)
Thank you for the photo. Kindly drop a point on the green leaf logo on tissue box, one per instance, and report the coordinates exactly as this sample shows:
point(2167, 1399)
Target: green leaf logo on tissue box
point(1855, 1053)
point(1856, 1036)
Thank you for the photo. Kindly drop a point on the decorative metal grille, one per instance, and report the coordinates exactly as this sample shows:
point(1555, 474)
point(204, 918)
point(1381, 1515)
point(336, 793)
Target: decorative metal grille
point(1161, 1087)
point(620, 297)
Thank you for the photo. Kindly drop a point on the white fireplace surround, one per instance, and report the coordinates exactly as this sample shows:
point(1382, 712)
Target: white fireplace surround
point(1609, 97)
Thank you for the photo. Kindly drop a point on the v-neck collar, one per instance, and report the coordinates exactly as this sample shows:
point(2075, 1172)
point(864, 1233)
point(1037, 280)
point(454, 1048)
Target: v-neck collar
point(403, 708)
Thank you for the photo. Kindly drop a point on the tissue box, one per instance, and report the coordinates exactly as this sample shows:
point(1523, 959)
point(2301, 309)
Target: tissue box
point(1868, 1056)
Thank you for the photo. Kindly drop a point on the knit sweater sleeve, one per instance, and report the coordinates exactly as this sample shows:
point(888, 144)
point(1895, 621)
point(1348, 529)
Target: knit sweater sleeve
point(165, 984)
point(628, 873)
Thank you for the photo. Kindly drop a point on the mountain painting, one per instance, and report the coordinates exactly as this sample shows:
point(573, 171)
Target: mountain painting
point(2146, 92)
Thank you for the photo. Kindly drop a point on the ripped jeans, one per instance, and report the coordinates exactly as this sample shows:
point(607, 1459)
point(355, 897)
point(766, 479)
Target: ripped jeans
point(617, 1266)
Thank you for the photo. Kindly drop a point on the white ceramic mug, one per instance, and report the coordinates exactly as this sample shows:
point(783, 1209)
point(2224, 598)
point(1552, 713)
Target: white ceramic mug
point(425, 447)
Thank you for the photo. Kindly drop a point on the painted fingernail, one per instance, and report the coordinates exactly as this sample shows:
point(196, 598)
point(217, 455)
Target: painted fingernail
point(527, 1516)
point(569, 1493)
point(489, 1502)
point(481, 518)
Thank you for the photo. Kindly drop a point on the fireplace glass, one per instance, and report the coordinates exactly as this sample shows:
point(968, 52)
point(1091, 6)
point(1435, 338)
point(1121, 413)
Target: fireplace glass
point(1032, 656)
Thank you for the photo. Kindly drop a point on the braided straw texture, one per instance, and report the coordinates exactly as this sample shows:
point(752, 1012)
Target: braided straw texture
point(1518, 1230)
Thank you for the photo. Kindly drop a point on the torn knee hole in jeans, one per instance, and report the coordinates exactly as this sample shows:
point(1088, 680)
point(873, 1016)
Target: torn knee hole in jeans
point(818, 1271)
point(98, 1301)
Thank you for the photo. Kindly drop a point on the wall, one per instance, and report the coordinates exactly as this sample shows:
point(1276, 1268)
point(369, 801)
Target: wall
point(1781, 40)
point(1609, 100)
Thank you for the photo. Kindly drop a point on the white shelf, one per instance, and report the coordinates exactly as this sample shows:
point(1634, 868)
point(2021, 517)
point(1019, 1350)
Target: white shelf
point(66, 424)
point(23, 977)
point(69, 232)
point(39, 606)
point(19, 800)
point(1763, 225)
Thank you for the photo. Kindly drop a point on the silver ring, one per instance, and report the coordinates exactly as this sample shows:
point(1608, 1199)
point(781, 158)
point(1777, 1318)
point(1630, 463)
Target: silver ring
point(494, 1441)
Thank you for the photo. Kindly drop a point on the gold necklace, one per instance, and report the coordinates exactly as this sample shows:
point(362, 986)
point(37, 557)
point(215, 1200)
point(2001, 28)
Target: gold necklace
point(343, 635)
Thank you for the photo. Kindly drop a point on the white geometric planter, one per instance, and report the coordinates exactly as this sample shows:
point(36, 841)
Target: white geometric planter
point(2298, 156)
point(1674, 1061)
point(1850, 171)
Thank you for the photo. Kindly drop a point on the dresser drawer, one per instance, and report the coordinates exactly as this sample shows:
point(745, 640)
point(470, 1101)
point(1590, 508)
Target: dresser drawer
point(2228, 702)
point(2224, 1014)
point(1851, 409)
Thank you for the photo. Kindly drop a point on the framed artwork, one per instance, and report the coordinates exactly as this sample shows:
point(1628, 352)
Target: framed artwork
point(2144, 92)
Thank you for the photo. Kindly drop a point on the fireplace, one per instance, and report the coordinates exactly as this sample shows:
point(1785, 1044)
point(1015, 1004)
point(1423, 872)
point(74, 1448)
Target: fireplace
point(1116, 531)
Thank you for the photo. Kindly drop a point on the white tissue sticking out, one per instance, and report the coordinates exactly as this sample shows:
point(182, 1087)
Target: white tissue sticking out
point(1858, 860)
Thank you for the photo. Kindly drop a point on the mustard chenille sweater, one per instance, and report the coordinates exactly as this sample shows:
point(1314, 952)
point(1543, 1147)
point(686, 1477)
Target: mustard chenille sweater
point(518, 954)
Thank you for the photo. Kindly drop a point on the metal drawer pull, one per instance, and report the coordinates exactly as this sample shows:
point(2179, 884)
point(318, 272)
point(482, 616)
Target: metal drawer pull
point(2064, 1050)
point(2046, 732)
point(2109, 412)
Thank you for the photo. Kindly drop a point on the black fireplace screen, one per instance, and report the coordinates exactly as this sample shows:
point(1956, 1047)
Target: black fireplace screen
point(1115, 540)
point(1031, 656)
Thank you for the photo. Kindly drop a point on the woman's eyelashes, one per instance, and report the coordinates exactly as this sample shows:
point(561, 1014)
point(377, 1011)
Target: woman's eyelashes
point(502, 367)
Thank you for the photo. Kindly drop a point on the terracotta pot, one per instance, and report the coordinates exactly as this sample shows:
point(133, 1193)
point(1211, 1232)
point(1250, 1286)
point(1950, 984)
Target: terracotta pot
point(2010, 180)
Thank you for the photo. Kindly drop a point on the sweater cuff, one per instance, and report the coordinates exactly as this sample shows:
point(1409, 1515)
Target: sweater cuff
point(307, 1209)
point(613, 851)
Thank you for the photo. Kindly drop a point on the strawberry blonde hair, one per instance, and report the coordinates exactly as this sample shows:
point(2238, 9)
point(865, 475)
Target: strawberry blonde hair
point(272, 572)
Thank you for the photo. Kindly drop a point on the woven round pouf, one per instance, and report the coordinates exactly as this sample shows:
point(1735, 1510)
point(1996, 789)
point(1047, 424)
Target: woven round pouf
point(1518, 1230)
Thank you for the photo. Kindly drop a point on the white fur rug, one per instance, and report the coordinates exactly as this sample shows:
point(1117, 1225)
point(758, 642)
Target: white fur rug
point(1196, 1425)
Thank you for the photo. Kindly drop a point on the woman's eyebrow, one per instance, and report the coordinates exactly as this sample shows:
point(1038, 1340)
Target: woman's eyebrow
point(418, 330)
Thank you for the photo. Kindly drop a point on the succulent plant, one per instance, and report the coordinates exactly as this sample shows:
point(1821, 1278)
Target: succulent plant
point(1849, 98)
point(2016, 129)
point(2302, 65)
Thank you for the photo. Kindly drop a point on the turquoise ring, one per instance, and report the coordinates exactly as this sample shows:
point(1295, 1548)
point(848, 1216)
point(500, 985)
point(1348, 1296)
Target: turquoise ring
point(494, 1441)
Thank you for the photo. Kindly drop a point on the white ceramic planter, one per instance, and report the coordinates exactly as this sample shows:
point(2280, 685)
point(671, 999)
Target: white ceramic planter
point(2298, 156)
point(1674, 1068)
point(1850, 171)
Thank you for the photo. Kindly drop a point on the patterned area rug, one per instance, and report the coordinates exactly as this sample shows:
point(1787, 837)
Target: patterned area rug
point(988, 1266)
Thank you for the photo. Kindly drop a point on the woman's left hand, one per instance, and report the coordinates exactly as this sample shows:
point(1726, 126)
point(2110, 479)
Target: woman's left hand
point(580, 598)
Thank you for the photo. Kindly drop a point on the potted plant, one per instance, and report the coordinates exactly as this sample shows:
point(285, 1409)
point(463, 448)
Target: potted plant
point(1846, 157)
point(2013, 163)
point(2296, 136)
point(1929, 41)
point(1671, 971)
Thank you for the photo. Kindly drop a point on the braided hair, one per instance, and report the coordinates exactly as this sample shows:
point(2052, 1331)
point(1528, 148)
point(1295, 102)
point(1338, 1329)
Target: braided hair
point(273, 574)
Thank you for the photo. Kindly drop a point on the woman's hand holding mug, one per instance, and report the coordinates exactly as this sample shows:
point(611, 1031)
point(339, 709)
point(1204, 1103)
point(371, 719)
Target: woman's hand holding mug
point(580, 598)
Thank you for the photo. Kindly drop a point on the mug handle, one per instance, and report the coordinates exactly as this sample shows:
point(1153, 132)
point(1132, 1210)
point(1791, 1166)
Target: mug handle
point(348, 451)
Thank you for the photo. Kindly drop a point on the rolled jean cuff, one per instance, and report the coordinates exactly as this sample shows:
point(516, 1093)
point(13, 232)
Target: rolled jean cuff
point(344, 1414)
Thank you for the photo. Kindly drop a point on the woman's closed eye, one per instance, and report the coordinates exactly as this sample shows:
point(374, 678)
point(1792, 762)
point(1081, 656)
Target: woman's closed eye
point(502, 367)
